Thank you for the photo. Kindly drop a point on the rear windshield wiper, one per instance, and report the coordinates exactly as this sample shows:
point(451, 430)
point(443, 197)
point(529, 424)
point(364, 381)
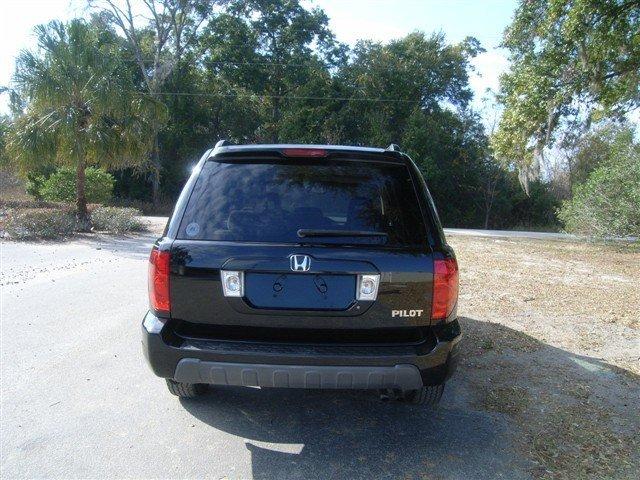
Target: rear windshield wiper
point(303, 232)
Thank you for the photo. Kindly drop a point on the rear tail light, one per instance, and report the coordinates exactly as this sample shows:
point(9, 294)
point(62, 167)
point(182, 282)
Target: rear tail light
point(445, 288)
point(232, 283)
point(159, 281)
point(368, 287)
point(304, 152)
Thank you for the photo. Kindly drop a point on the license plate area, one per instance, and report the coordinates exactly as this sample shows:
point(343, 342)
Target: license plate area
point(297, 291)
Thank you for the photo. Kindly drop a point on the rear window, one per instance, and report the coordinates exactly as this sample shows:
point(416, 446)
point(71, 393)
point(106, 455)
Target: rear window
point(334, 202)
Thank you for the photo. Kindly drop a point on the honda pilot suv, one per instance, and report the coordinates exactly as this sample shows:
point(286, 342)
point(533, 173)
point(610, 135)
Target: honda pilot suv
point(304, 266)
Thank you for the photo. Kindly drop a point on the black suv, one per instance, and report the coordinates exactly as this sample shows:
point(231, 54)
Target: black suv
point(304, 266)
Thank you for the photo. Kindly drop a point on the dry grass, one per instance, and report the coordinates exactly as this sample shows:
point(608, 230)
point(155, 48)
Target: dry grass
point(553, 342)
point(580, 441)
point(562, 293)
point(511, 399)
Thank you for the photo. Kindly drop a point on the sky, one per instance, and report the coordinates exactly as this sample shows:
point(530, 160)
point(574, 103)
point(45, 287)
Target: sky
point(350, 20)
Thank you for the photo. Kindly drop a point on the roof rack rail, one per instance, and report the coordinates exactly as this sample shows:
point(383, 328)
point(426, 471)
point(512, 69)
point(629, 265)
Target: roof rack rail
point(393, 147)
point(222, 143)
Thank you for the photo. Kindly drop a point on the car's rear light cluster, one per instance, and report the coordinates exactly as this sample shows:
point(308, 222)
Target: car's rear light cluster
point(159, 298)
point(445, 288)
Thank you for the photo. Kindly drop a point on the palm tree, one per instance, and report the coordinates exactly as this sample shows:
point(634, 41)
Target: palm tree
point(82, 105)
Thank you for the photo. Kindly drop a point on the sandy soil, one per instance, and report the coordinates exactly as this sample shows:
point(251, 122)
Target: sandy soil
point(553, 342)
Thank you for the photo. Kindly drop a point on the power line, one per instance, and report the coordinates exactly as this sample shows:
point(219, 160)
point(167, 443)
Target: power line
point(268, 64)
point(261, 64)
point(231, 62)
point(285, 97)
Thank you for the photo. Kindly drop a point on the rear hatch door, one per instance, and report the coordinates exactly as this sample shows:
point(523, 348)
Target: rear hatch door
point(302, 232)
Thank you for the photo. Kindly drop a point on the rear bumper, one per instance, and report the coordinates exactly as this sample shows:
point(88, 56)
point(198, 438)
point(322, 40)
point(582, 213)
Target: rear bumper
point(190, 370)
point(299, 366)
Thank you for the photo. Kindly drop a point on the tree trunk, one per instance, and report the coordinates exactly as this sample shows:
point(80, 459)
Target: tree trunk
point(489, 198)
point(155, 187)
point(155, 180)
point(82, 214)
point(275, 117)
point(275, 114)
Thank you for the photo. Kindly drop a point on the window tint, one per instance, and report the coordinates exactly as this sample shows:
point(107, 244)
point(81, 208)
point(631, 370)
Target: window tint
point(270, 202)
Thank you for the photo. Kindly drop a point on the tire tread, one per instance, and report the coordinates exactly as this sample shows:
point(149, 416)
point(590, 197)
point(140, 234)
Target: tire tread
point(185, 390)
point(427, 395)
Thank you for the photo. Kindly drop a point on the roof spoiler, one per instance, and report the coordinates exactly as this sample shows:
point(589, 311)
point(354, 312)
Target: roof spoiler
point(222, 143)
point(393, 148)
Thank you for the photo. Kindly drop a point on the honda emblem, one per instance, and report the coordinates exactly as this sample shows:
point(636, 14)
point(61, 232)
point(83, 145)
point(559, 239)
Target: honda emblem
point(300, 263)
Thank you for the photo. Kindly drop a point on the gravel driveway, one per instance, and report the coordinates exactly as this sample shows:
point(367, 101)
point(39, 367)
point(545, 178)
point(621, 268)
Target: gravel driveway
point(78, 400)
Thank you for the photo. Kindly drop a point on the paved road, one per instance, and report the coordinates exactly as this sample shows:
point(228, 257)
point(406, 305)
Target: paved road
point(510, 234)
point(532, 235)
point(78, 401)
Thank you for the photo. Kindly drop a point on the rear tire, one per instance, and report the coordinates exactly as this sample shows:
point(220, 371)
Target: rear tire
point(185, 390)
point(427, 395)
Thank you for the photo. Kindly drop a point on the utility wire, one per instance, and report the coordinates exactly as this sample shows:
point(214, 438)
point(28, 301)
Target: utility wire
point(284, 97)
point(227, 62)
point(261, 64)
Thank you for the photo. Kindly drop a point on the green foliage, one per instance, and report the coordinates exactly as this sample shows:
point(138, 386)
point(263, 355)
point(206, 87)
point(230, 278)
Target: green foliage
point(116, 220)
point(592, 150)
point(61, 186)
point(575, 60)
point(256, 71)
point(82, 107)
point(608, 203)
point(395, 74)
point(5, 125)
point(271, 50)
point(34, 185)
point(537, 210)
point(450, 151)
point(36, 178)
point(43, 223)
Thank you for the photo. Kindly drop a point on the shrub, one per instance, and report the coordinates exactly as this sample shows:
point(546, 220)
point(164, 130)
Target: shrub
point(608, 203)
point(61, 186)
point(46, 223)
point(29, 204)
point(164, 208)
point(116, 220)
point(36, 178)
point(538, 211)
point(34, 185)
